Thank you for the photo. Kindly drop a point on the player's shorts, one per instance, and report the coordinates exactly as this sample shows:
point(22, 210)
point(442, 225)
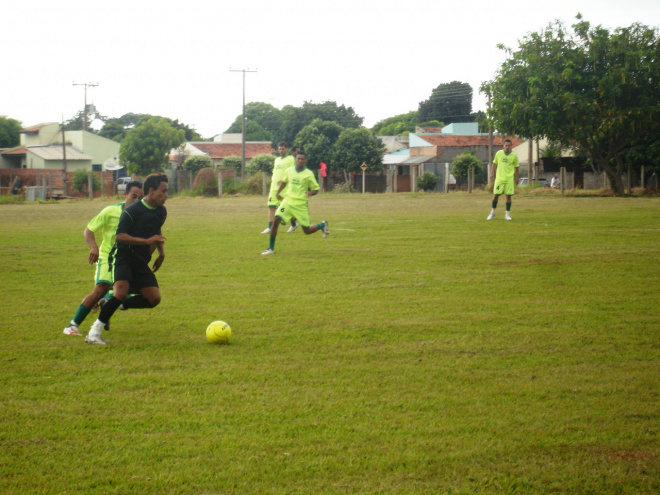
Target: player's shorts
point(507, 188)
point(136, 272)
point(299, 211)
point(103, 273)
point(272, 196)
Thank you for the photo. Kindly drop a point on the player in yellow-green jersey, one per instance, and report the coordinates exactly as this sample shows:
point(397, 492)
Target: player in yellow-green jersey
point(104, 223)
point(282, 163)
point(302, 185)
point(506, 165)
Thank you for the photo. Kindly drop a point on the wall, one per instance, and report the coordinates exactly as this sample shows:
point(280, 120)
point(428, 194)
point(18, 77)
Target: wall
point(52, 179)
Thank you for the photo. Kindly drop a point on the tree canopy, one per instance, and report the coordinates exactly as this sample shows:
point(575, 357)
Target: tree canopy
point(355, 147)
point(449, 102)
point(590, 87)
point(9, 132)
point(146, 147)
point(318, 139)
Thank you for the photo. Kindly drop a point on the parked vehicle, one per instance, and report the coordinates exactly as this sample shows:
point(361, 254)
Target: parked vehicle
point(121, 183)
point(536, 182)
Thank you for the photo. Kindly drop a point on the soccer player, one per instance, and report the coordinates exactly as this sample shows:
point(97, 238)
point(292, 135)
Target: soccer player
point(139, 230)
point(505, 164)
point(302, 186)
point(105, 223)
point(282, 163)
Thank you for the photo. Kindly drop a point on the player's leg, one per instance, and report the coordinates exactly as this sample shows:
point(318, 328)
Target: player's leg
point(496, 198)
point(120, 291)
point(103, 282)
point(509, 191)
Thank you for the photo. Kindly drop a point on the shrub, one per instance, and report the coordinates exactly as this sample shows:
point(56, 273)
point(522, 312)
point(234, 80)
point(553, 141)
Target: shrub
point(80, 178)
point(195, 163)
point(260, 163)
point(427, 181)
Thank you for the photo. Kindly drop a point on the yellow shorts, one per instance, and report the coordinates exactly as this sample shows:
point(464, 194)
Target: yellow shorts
point(103, 274)
point(507, 188)
point(299, 211)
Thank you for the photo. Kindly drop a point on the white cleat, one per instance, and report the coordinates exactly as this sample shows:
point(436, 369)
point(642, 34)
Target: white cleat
point(292, 228)
point(266, 230)
point(326, 229)
point(268, 251)
point(72, 330)
point(95, 340)
point(491, 216)
point(507, 216)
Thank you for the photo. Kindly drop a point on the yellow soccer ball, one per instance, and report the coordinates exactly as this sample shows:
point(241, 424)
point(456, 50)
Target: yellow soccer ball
point(218, 332)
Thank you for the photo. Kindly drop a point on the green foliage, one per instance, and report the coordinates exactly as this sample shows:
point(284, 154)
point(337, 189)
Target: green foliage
point(146, 147)
point(427, 181)
point(9, 132)
point(449, 102)
point(355, 147)
point(232, 162)
point(295, 118)
point(81, 180)
point(317, 140)
point(462, 163)
point(398, 125)
point(117, 128)
point(596, 88)
point(262, 122)
point(195, 163)
point(260, 163)
point(254, 184)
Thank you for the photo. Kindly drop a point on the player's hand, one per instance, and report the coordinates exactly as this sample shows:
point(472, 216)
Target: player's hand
point(158, 263)
point(155, 239)
point(279, 196)
point(93, 256)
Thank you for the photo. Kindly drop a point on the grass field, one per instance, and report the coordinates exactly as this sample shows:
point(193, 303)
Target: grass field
point(419, 349)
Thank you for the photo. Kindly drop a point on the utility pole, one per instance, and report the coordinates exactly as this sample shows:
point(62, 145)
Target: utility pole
point(84, 114)
point(243, 138)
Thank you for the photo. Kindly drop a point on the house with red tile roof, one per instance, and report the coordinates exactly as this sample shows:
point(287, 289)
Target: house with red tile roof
point(220, 151)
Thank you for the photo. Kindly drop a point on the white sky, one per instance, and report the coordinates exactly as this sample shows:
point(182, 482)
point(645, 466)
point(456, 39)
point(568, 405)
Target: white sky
point(173, 58)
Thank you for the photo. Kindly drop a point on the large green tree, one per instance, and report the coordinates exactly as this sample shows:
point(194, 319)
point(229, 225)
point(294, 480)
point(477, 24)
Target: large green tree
point(146, 147)
point(317, 140)
point(9, 132)
point(449, 102)
point(116, 128)
point(295, 118)
point(592, 87)
point(262, 122)
point(355, 147)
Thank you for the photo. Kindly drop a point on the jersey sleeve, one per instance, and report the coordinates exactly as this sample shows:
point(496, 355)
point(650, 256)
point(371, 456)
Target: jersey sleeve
point(313, 185)
point(125, 223)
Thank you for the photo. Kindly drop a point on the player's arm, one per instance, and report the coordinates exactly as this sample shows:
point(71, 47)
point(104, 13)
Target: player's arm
point(516, 176)
point(493, 168)
point(90, 239)
point(124, 238)
point(160, 246)
point(280, 189)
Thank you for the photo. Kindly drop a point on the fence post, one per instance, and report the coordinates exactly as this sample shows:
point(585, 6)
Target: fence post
point(220, 183)
point(562, 179)
point(90, 186)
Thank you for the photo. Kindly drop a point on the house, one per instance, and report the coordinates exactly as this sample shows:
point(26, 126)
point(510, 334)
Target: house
point(41, 148)
point(221, 150)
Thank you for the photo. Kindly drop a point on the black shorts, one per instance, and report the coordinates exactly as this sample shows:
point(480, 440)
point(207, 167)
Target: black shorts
point(136, 272)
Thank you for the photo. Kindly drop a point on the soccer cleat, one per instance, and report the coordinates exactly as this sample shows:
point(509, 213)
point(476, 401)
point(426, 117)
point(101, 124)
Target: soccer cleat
point(326, 229)
point(491, 216)
point(266, 230)
point(102, 303)
point(268, 251)
point(72, 330)
point(507, 216)
point(292, 228)
point(95, 340)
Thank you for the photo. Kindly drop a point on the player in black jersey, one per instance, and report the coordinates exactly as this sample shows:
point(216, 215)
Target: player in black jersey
point(138, 235)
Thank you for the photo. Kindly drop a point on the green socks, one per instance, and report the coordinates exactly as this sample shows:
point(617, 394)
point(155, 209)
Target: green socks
point(81, 314)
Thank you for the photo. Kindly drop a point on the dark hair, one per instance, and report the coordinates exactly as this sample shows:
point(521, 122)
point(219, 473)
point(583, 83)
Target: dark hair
point(507, 139)
point(132, 184)
point(153, 181)
point(282, 143)
point(294, 149)
point(301, 152)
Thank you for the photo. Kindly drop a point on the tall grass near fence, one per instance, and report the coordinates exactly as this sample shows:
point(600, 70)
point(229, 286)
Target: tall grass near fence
point(418, 349)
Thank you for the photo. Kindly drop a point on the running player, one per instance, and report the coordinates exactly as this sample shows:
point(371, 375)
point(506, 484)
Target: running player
point(282, 163)
point(105, 223)
point(302, 186)
point(506, 165)
point(139, 230)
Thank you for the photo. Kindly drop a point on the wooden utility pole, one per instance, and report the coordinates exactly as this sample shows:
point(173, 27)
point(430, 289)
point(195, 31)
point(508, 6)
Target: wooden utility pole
point(84, 114)
point(243, 127)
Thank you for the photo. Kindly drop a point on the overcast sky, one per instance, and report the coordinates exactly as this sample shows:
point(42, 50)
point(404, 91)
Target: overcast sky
point(173, 58)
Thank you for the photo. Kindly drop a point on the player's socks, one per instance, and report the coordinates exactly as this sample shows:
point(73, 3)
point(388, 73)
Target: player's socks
point(270, 225)
point(508, 207)
point(293, 223)
point(320, 225)
point(109, 309)
point(137, 302)
point(81, 314)
point(271, 242)
point(494, 204)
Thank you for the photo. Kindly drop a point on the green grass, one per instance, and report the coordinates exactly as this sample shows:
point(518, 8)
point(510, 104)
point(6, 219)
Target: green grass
point(417, 350)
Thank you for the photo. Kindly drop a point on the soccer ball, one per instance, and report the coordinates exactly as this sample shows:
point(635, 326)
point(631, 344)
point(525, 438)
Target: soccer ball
point(218, 332)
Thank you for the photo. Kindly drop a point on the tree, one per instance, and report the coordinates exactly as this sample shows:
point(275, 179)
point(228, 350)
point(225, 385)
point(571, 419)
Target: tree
point(9, 132)
point(117, 128)
point(449, 102)
point(195, 163)
point(294, 118)
point(113, 130)
point(232, 162)
point(317, 140)
point(427, 181)
point(596, 89)
point(146, 147)
point(355, 147)
point(261, 163)
point(462, 163)
point(262, 122)
point(398, 125)
point(81, 180)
